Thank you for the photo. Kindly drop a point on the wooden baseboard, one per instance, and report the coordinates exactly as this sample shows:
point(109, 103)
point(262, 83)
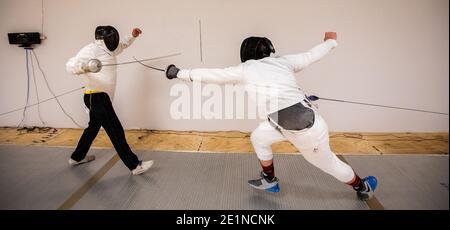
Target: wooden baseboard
point(234, 142)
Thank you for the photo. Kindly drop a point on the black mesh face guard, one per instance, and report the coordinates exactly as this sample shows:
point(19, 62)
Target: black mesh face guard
point(109, 35)
point(256, 48)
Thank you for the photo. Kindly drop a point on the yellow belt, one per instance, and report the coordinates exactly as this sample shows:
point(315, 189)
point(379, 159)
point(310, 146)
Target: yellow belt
point(92, 91)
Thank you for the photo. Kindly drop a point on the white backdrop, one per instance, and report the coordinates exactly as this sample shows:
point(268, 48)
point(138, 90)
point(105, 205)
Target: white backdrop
point(393, 52)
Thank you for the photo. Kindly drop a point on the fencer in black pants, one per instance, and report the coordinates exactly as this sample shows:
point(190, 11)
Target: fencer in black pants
point(102, 114)
point(100, 87)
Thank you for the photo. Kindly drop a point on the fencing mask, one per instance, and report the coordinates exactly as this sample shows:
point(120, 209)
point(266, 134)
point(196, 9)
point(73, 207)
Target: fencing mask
point(109, 35)
point(256, 48)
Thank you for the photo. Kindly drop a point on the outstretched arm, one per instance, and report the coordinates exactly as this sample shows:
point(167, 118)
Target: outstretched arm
point(128, 41)
point(302, 60)
point(219, 76)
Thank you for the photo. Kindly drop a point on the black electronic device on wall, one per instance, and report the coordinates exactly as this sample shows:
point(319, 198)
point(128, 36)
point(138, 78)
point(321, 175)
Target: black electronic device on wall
point(24, 39)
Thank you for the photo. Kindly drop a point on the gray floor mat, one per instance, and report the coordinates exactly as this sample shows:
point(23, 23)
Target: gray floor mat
point(34, 177)
point(217, 181)
point(40, 177)
point(407, 182)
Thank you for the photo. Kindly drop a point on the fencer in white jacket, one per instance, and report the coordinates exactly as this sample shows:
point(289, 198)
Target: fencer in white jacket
point(104, 80)
point(270, 81)
point(100, 86)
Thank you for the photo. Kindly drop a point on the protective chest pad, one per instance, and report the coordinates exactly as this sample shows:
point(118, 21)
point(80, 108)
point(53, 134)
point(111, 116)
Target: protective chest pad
point(295, 117)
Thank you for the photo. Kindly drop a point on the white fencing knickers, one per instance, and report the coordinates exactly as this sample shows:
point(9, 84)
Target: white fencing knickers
point(313, 144)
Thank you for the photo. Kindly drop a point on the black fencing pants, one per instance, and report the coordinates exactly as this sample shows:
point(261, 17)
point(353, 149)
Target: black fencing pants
point(102, 114)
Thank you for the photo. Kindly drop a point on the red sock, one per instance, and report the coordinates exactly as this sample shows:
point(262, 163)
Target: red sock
point(357, 184)
point(269, 171)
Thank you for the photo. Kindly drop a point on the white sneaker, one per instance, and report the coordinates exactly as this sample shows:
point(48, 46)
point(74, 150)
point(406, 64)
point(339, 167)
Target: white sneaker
point(142, 167)
point(87, 159)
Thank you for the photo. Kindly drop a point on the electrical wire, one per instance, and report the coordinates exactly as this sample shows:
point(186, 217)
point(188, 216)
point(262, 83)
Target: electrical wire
point(28, 89)
point(200, 38)
point(40, 102)
point(42, 16)
point(314, 98)
point(36, 89)
point(51, 91)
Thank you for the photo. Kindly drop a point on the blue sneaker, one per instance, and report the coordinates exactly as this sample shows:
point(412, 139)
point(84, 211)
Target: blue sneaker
point(265, 184)
point(370, 184)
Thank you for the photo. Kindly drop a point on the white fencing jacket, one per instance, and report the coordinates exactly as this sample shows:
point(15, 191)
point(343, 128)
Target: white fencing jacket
point(105, 80)
point(270, 82)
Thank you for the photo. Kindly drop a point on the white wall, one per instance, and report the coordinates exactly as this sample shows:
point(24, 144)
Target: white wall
point(393, 52)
